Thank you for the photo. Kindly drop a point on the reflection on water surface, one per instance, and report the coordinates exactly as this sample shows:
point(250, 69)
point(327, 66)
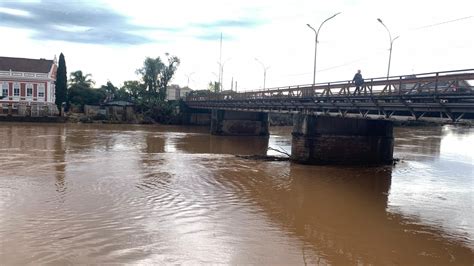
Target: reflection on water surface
point(156, 194)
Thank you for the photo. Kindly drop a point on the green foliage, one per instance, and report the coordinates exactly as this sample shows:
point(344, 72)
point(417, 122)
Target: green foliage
point(81, 80)
point(122, 95)
point(148, 95)
point(61, 82)
point(109, 88)
point(80, 95)
point(156, 75)
point(163, 112)
point(115, 94)
point(81, 91)
point(134, 89)
point(167, 75)
point(150, 71)
point(214, 86)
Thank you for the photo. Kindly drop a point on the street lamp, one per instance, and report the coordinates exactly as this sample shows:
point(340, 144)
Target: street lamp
point(391, 45)
point(316, 32)
point(264, 71)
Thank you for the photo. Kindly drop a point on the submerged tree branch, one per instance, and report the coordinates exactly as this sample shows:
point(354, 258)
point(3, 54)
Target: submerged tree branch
point(282, 151)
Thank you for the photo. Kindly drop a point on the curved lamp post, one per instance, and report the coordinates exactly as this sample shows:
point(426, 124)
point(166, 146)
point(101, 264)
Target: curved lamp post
point(391, 45)
point(264, 71)
point(316, 32)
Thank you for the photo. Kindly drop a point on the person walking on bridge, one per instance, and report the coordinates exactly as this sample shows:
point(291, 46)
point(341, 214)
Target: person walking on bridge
point(358, 81)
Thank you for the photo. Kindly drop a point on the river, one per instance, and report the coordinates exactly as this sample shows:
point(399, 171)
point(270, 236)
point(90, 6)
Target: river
point(85, 193)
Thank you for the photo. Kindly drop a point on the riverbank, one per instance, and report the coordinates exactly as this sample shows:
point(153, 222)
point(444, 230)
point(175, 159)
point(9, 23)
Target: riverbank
point(275, 120)
point(29, 119)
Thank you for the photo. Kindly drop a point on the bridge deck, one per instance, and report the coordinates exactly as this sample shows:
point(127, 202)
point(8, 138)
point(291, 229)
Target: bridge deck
point(439, 94)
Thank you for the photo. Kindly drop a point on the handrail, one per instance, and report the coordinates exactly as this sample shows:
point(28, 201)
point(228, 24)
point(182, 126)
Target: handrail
point(464, 74)
point(378, 78)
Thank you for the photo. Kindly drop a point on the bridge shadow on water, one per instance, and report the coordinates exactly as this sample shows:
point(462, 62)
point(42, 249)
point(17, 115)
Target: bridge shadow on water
point(341, 215)
point(223, 145)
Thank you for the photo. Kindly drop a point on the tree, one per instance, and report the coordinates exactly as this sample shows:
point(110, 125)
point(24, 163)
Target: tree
point(150, 71)
point(135, 90)
point(156, 75)
point(83, 95)
point(61, 82)
point(110, 91)
point(81, 80)
point(122, 95)
point(214, 86)
point(167, 75)
point(81, 92)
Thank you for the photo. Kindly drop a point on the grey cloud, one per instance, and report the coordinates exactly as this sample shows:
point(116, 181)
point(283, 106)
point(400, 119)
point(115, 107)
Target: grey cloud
point(85, 21)
point(212, 36)
point(245, 23)
point(214, 29)
point(50, 19)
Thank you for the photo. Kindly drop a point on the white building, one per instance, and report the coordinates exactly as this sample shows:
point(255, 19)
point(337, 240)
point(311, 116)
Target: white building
point(27, 82)
point(174, 92)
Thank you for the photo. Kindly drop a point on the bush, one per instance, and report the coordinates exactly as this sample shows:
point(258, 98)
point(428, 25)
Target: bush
point(100, 117)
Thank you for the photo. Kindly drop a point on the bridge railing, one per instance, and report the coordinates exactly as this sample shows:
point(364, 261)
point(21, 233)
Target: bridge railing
point(445, 82)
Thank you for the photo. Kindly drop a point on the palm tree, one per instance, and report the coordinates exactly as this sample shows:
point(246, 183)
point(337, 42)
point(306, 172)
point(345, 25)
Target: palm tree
point(77, 78)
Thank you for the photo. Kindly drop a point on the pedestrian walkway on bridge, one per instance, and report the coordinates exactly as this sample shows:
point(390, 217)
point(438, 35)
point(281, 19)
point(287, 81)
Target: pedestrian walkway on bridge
point(446, 94)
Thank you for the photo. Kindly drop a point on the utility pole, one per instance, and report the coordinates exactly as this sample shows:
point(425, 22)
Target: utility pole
point(221, 73)
point(220, 65)
point(189, 76)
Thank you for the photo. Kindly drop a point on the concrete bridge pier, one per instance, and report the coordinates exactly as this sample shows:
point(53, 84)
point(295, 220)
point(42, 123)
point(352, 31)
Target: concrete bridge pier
point(335, 140)
point(234, 123)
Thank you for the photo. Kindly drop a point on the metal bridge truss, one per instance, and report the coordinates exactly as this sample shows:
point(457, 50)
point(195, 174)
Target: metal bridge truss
point(448, 94)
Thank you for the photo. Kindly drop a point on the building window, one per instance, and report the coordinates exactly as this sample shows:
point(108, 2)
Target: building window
point(41, 91)
point(16, 89)
point(5, 89)
point(29, 90)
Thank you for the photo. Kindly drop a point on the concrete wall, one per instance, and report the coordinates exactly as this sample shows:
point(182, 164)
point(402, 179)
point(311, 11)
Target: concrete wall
point(333, 140)
point(28, 109)
point(120, 113)
point(91, 110)
point(199, 119)
point(191, 116)
point(233, 123)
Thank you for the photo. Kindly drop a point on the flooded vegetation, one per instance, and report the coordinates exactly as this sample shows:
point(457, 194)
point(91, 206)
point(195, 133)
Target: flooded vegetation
point(72, 193)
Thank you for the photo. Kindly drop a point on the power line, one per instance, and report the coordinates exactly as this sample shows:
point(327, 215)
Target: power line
point(444, 22)
point(360, 59)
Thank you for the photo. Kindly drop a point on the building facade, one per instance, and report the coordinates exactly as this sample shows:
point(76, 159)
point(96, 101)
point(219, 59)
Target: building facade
point(27, 86)
point(174, 92)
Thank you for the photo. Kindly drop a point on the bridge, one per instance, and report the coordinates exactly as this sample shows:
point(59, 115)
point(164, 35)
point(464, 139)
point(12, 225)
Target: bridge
point(440, 94)
point(336, 122)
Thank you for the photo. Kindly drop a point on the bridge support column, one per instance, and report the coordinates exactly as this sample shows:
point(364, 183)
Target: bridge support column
point(334, 140)
point(197, 117)
point(234, 123)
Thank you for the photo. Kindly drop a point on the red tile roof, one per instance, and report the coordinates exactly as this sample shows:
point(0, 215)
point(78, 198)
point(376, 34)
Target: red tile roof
point(25, 64)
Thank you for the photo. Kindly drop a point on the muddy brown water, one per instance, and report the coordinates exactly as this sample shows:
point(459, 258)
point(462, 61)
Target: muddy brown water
point(161, 195)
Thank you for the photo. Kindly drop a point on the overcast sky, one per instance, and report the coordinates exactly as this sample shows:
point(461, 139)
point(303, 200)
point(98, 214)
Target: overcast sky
point(110, 38)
